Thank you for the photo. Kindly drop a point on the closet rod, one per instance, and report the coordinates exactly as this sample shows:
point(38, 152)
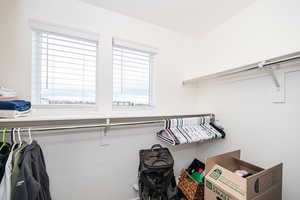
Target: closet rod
point(292, 58)
point(250, 67)
point(95, 126)
point(110, 123)
point(265, 64)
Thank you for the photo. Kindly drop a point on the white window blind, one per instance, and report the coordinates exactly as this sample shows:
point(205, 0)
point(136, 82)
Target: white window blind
point(131, 76)
point(64, 69)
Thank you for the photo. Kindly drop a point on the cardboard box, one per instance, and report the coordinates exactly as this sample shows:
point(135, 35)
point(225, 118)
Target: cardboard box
point(221, 183)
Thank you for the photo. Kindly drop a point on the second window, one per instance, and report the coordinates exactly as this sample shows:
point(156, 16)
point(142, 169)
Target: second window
point(131, 76)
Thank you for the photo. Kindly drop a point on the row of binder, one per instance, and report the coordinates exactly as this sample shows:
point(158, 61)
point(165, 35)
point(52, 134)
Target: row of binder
point(188, 130)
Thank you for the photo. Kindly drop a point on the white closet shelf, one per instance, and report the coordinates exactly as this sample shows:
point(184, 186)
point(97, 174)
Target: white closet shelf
point(262, 67)
point(199, 79)
point(276, 68)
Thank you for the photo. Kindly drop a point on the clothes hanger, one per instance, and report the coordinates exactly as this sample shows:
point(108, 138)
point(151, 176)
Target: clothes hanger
point(4, 139)
point(19, 136)
point(14, 139)
point(11, 135)
point(14, 136)
point(29, 135)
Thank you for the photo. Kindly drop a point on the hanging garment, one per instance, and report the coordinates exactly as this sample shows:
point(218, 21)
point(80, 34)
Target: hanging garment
point(33, 180)
point(4, 153)
point(16, 167)
point(5, 185)
point(218, 129)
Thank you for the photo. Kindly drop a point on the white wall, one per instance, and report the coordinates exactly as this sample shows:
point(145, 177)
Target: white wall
point(172, 48)
point(79, 168)
point(264, 30)
point(15, 56)
point(266, 132)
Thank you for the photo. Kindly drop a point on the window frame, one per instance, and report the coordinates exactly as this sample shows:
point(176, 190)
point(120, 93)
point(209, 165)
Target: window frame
point(73, 33)
point(142, 48)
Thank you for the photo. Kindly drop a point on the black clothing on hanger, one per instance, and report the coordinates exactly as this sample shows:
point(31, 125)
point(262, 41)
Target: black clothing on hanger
point(218, 129)
point(4, 153)
point(33, 180)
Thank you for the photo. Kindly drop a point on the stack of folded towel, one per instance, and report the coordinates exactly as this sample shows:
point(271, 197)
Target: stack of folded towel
point(7, 94)
point(14, 108)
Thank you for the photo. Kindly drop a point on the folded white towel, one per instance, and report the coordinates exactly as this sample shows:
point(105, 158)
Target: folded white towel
point(5, 96)
point(14, 113)
point(5, 92)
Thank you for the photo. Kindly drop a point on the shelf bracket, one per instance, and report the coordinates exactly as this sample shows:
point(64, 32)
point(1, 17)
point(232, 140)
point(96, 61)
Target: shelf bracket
point(107, 126)
point(262, 66)
point(278, 77)
point(104, 133)
point(274, 77)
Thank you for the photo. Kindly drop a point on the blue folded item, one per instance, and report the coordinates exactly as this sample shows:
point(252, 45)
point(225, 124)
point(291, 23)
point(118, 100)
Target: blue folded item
point(18, 105)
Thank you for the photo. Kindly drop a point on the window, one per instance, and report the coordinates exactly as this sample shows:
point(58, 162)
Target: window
point(131, 75)
point(64, 69)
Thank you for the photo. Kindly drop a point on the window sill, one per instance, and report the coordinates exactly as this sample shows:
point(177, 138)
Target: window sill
point(62, 107)
point(132, 108)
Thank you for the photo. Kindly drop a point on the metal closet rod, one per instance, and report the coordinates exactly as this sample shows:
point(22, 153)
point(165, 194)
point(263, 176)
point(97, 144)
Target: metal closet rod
point(266, 64)
point(108, 124)
point(270, 63)
point(292, 58)
point(61, 128)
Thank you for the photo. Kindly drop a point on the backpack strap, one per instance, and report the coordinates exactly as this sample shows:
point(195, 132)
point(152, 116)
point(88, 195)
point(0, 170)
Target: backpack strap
point(156, 146)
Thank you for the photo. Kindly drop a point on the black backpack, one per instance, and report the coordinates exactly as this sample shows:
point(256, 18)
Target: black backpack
point(156, 175)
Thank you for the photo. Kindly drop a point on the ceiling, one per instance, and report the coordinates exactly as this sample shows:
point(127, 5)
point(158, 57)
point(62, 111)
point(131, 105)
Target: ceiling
point(194, 17)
